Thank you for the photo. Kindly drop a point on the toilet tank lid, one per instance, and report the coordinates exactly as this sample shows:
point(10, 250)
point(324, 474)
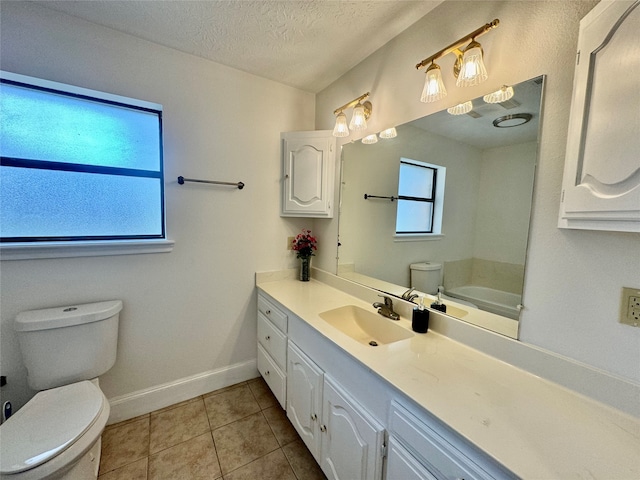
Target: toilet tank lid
point(68, 316)
point(425, 266)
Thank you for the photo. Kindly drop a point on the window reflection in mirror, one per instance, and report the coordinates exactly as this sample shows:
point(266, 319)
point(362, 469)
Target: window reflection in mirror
point(486, 208)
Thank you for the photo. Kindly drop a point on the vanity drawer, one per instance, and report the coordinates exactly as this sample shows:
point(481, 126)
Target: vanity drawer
point(273, 341)
point(430, 449)
point(277, 316)
point(272, 374)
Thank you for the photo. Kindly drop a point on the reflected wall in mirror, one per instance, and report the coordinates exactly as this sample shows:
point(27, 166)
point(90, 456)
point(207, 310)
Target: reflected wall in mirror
point(486, 201)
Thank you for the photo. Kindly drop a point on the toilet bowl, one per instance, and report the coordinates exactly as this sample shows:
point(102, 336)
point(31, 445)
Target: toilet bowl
point(56, 435)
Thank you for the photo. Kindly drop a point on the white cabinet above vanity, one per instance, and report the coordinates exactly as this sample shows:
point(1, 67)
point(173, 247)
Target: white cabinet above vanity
point(308, 160)
point(429, 407)
point(601, 185)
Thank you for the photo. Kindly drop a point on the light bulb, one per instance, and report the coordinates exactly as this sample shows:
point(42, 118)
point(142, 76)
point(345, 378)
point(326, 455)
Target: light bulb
point(499, 96)
point(461, 108)
point(472, 70)
point(358, 120)
point(434, 88)
point(389, 133)
point(369, 139)
point(341, 129)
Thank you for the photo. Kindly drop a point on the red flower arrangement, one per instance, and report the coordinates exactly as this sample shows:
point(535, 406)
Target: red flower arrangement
point(304, 244)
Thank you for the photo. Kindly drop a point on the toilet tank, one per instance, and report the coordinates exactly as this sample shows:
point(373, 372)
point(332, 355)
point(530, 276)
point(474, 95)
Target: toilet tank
point(426, 277)
point(67, 344)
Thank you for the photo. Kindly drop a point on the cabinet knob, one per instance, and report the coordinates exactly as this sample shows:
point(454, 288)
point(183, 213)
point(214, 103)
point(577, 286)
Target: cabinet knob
point(314, 417)
point(266, 373)
point(268, 337)
point(323, 428)
point(268, 312)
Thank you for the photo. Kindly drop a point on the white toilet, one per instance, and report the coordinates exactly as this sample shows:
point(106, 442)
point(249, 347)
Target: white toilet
point(426, 277)
point(56, 435)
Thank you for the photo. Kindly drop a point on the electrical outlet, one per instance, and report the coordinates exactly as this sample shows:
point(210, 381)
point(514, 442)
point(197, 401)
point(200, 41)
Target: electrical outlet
point(290, 243)
point(630, 307)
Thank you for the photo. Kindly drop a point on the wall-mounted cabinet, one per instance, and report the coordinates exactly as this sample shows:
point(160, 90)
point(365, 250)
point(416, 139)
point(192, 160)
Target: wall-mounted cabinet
point(308, 174)
point(601, 185)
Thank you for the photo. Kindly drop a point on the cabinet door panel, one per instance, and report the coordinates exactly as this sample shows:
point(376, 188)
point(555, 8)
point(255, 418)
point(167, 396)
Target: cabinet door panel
point(351, 440)
point(601, 188)
point(305, 398)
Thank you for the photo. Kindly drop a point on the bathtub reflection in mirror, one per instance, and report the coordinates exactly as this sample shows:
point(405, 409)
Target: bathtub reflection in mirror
point(475, 200)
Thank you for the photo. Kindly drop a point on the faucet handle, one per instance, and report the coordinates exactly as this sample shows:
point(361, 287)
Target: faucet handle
point(387, 301)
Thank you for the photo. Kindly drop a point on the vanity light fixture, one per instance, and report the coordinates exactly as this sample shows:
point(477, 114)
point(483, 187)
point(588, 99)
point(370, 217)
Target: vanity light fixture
point(461, 108)
point(361, 112)
point(469, 66)
point(370, 139)
point(434, 88)
point(341, 129)
point(499, 96)
point(388, 133)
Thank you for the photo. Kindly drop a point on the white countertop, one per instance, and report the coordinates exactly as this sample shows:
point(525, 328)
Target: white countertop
point(535, 428)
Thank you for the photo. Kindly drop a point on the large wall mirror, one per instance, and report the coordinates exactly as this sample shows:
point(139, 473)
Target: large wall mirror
point(447, 203)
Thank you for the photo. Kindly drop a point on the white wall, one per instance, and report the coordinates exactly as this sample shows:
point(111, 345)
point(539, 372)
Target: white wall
point(504, 207)
point(192, 310)
point(573, 278)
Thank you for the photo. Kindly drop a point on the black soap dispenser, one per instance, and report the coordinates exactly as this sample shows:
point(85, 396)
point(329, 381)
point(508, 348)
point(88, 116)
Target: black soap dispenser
point(420, 320)
point(438, 305)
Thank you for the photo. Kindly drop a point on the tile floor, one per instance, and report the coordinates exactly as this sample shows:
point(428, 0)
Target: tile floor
point(236, 433)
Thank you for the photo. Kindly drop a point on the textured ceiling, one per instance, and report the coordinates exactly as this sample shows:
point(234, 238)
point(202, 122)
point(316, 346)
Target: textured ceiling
point(305, 44)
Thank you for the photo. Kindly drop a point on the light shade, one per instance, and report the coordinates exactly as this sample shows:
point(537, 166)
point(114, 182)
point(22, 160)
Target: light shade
point(472, 70)
point(389, 133)
point(369, 139)
point(502, 95)
point(358, 120)
point(461, 108)
point(341, 129)
point(434, 88)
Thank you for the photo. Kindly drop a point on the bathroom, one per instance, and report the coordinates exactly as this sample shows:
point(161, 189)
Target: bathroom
point(192, 312)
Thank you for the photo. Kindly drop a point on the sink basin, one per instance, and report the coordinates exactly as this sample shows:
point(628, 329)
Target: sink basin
point(365, 327)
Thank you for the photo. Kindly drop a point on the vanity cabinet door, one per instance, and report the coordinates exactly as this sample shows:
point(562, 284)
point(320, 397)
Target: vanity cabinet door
point(308, 170)
point(352, 441)
point(601, 185)
point(304, 402)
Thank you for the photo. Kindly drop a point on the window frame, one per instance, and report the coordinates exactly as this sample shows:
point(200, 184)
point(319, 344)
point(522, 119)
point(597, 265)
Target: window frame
point(110, 244)
point(436, 199)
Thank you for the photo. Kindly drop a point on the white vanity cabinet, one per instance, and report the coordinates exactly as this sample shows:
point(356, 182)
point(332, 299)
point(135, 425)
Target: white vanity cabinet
point(272, 347)
point(601, 183)
point(344, 439)
point(419, 448)
point(343, 412)
point(308, 174)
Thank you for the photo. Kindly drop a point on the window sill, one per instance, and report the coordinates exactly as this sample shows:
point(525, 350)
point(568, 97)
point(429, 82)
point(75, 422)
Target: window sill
point(426, 237)
point(26, 251)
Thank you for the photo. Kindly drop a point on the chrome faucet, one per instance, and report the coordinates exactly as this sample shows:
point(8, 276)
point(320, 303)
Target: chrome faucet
point(386, 309)
point(409, 295)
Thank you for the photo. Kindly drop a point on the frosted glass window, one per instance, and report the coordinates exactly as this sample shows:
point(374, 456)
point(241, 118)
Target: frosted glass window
point(417, 195)
point(78, 164)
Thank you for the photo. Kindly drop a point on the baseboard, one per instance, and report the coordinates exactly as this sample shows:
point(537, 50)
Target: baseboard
point(138, 403)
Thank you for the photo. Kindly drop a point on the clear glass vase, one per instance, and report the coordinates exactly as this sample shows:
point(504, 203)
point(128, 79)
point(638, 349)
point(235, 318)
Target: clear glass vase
point(305, 269)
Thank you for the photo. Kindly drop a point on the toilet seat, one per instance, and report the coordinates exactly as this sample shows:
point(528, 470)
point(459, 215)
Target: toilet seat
point(49, 425)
